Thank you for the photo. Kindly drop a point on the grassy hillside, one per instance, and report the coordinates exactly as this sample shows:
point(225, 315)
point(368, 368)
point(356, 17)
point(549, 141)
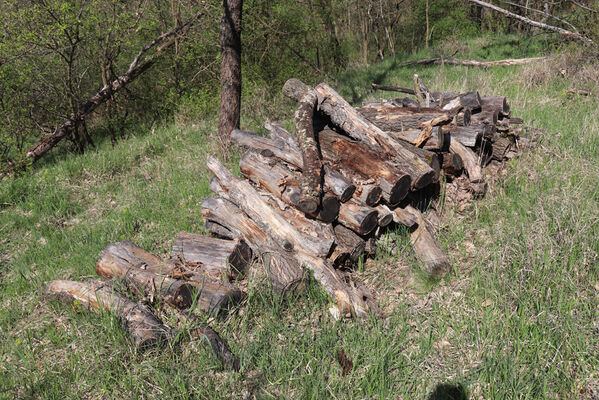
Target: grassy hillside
point(517, 318)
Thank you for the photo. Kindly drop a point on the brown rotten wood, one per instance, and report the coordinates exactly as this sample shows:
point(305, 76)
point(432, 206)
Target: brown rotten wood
point(488, 117)
point(137, 67)
point(358, 217)
point(355, 125)
point(339, 150)
point(500, 147)
point(273, 224)
point(216, 257)
point(284, 270)
point(369, 194)
point(348, 247)
point(496, 103)
point(122, 258)
point(142, 325)
point(452, 164)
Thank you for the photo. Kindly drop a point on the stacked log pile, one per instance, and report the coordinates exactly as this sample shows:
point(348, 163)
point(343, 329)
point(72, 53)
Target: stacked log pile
point(315, 201)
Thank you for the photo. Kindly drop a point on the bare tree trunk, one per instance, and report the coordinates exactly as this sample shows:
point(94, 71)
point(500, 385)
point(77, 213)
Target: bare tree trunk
point(230, 71)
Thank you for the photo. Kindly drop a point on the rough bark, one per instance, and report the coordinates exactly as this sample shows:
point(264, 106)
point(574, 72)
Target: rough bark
point(500, 147)
point(245, 196)
point(283, 269)
point(142, 325)
point(358, 217)
point(469, 136)
point(399, 118)
point(340, 186)
point(230, 70)
point(120, 259)
point(216, 257)
point(426, 247)
point(496, 103)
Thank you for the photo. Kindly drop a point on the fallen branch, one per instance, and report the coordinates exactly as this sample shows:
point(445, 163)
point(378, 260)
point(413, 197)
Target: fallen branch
point(561, 31)
point(136, 68)
point(456, 61)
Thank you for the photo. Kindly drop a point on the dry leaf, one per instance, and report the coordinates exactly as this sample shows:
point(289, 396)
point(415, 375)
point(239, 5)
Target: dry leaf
point(486, 303)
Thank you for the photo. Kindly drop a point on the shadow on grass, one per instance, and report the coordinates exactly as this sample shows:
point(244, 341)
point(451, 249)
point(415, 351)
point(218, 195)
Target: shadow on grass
point(447, 391)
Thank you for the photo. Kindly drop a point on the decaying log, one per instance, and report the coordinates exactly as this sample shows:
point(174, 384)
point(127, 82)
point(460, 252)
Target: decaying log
point(312, 166)
point(339, 150)
point(349, 120)
point(452, 164)
point(400, 118)
point(463, 118)
point(471, 165)
point(369, 194)
point(340, 186)
point(500, 147)
point(404, 216)
point(435, 142)
point(274, 225)
point(431, 158)
point(358, 217)
point(496, 103)
point(488, 117)
point(122, 259)
point(218, 230)
point(469, 136)
point(385, 215)
point(219, 346)
point(215, 257)
point(139, 321)
point(284, 271)
point(349, 246)
point(473, 63)
point(426, 247)
point(278, 133)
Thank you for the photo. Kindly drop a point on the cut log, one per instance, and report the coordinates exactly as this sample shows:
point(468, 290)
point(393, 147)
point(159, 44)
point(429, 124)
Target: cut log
point(349, 246)
point(338, 184)
point(452, 164)
point(469, 136)
point(435, 142)
point(488, 117)
point(400, 118)
point(215, 257)
point(349, 120)
point(426, 248)
point(123, 258)
point(496, 103)
point(284, 271)
point(276, 148)
point(385, 216)
point(340, 150)
point(471, 165)
point(142, 325)
point(463, 118)
point(357, 217)
point(312, 169)
point(369, 194)
point(404, 216)
point(500, 147)
point(274, 225)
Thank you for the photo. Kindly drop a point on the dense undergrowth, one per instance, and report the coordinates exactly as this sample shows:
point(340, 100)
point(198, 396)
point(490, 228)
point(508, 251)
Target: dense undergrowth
point(516, 318)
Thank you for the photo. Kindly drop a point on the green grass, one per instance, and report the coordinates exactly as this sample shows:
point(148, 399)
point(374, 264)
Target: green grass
point(517, 318)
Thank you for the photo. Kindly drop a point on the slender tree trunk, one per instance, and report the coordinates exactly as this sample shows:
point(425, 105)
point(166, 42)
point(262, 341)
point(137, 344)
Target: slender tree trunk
point(427, 25)
point(230, 70)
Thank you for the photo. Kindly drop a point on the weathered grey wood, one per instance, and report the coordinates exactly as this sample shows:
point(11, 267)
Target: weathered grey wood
point(218, 230)
point(143, 326)
point(469, 136)
point(488, 117)
point(426, 248)
point(404, 216)
point(278, 149)
point(399, 118)
point(435, 142)
point(122, 258)
point(312, 166)
point(215, 257)
point(358, 127)
point(338, 150)
point(278, 133)
point(274, 225)
point(471, 165)
point(284, 270)
point(385, 216)
point(219, 346)
point(463, 118)
point(358, 217)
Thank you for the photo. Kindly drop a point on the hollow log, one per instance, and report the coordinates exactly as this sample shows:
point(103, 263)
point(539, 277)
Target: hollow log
point(215, 257)
point(349, 120)
point(358, 217)
point(284, 271)
point(142, 325)
point(399, 118)
point(340, 150)
point(469, 159)
point(274, 225)
point(349, 246)
point(122, 259)
point(426, 248)
point(452, 164)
